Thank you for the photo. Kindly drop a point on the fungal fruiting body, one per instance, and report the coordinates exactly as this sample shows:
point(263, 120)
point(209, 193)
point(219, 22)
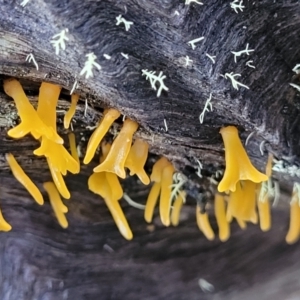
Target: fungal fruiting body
point(177, 205)
point(203, 224)
point(136, 160)
point(4, 226)
point(294, 227)
point(58, 206)
point(108, 118)
point(107, 185)
point(24, 179)
point(115, 160)
point(30, 121)
point(238, 165)
point(220, 213)
point(71, 112)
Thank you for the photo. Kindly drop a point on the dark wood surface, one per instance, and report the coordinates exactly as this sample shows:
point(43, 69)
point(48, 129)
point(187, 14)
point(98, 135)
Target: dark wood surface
point(90, 260)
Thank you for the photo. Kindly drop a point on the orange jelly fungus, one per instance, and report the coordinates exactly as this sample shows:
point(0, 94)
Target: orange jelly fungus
point(30, 120)
point(220, 213)
point(238, 164)
point(4, 226)
point(71, 112)
point(136, 160)
point(73, 148)
point(156, 177)
point(57, 205)
point(294, 228)
point(108, 118)
point(203, 224)
point(24, 179)
point(177, 205)
point(115, 160)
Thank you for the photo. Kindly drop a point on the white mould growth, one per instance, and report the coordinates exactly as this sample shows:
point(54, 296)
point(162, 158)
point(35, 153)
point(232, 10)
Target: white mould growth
point(239, 53)
point(297, 87)
point(24, 2)
point(235, 5)
point(187, 61)
point(150, 75)
point(178, 181)
point(234, 82)
point(211, 57)
point(296, 69)
point(120, 20)
point(124, 55)
point(249, 64)
point(58, 40)
point(30, 58)
point(281, 167)
point(207, 108)
point(193, 42)
point(106, 56)
point(199, 168)
point(188, 2)
point(89, 64)
point(74, 87)
point(166, 125)
point(133, 203)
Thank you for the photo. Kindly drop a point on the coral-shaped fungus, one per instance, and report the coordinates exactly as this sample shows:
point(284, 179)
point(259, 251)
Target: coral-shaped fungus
point(238, 165)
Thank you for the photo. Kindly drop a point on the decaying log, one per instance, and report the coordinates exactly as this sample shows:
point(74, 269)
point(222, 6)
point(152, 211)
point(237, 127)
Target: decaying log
point(90, 260)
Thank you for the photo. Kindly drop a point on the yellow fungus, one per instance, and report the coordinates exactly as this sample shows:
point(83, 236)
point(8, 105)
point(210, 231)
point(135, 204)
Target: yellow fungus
point(71, 112)
point(60, 158)
point(242, 224)
point(4, 226)
point(157, 169)
point(165, 194)
point(73, 148)
point(98, 184)
point(151, 202)
point(238, 164)
point(115, 160)
point(30, 121)
point(136, 160)
point(177, 205)
point(48, 98)
point(220, 213)
point(58, 180)
point(57, 205)
point(24, 179)
point(203, 224)
point(294, 228)
point(264, 213)
point(109, 117)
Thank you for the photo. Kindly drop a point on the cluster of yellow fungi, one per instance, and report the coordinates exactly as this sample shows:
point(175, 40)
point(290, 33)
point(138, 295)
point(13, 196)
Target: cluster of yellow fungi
point(243, 193)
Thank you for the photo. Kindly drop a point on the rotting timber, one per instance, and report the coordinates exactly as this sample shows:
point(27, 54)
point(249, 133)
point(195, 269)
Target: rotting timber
point(39, 260)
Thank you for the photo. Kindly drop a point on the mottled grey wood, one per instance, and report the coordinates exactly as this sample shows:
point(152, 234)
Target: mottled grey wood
point(39, 260)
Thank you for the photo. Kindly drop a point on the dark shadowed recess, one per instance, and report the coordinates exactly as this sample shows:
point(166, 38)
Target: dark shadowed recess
point(38, 259)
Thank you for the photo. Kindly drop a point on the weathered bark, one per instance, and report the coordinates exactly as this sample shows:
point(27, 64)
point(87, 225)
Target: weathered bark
point(41, 261)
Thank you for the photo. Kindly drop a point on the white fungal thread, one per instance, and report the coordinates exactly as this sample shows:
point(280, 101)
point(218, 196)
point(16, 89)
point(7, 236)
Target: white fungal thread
point(73, 87)
point(207, 108)
point(89, 64)
point(262, 147)
point(239, 53)
point(199, 168)
point(188, 2)
point(120, 20)
point(234, 82)
point(297, 87)
point(124, 55)
point(178, 181)
point(276, 194)
point(249, 64)
point(24, 2)
point(166, 126)
point(133, 203)
point(187, 61)
point(296, 193)
point(108, 248)
point(235, 5)
point(249, 137)
point(176, 13)
point(281, 167)
point(71, 125)
point(58, 40)
point(106, 56)
point(150, 75)
point(211, 57)
point(85, 108)
point(296, 69)
point(30, 58)
point(124, 117)
point(205, 286)
point(193, 42)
